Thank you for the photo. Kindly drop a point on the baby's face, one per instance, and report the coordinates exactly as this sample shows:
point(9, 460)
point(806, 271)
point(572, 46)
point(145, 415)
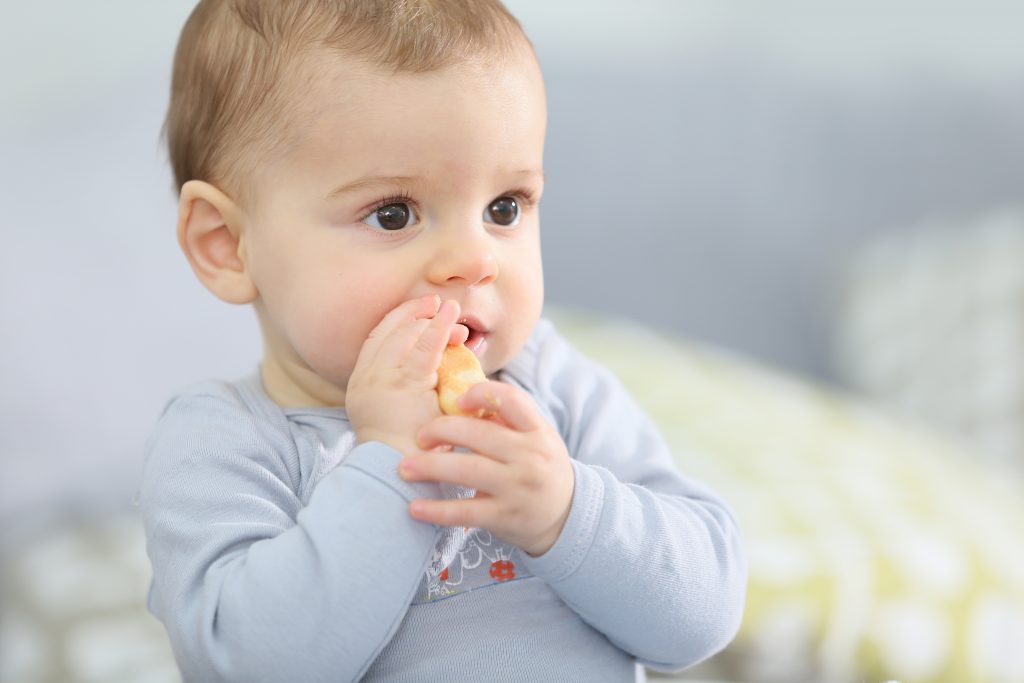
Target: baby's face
point(402, 185)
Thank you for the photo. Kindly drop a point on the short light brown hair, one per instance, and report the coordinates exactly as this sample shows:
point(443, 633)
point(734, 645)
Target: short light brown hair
point(228, 91)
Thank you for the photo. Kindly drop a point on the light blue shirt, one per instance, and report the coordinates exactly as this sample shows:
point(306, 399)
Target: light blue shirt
point(282, 550)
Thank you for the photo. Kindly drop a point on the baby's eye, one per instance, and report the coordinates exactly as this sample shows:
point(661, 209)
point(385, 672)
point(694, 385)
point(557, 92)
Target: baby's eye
point(503, 211)
point(392, 217)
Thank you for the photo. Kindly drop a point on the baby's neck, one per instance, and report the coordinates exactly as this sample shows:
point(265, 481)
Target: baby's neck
point(298, 387)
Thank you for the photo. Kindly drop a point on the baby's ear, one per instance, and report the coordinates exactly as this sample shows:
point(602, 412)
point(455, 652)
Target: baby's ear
point(210, 233)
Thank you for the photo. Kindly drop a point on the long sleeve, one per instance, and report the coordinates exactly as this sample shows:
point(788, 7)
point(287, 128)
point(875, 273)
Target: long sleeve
point(244, 572)
point(648, 556)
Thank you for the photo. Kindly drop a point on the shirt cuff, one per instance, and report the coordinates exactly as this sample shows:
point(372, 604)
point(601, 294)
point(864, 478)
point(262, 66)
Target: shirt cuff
point(573, 544)
point(380, 461)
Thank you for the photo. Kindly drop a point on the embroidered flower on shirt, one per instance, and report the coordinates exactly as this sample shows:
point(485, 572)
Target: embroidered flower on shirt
point(462, 562)
point(503, 570)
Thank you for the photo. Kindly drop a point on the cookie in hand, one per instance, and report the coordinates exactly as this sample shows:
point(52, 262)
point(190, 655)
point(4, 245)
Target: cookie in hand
point(459, 370)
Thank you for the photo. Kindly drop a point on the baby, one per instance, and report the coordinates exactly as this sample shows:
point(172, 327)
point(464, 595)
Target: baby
point(367, 174)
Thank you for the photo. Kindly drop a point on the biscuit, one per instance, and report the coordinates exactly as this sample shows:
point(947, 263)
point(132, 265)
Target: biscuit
point(459, 370)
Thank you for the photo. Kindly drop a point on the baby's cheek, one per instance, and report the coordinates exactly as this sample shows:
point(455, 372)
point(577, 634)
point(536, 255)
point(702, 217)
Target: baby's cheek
point(330, 348)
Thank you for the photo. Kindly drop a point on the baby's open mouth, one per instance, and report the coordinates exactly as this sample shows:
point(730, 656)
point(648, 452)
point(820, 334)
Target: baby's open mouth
point(477, 338)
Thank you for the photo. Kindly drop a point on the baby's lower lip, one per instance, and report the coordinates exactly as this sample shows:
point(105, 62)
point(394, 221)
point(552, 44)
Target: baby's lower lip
point(476, 342)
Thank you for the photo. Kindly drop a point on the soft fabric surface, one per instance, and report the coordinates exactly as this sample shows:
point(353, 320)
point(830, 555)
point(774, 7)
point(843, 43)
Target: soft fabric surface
point(930, 323)
point(878, 552)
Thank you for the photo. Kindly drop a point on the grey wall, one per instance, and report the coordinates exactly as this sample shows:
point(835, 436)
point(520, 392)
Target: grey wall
point(710, 168)
point(712, 165)
point(719, 198)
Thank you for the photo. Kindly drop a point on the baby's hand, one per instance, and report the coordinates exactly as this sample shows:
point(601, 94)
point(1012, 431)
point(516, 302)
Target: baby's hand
point(391, 391)
point(518, 464)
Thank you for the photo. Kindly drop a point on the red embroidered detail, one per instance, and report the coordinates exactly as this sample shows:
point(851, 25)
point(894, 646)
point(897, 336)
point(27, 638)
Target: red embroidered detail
point(444, 575)
point(503, 570)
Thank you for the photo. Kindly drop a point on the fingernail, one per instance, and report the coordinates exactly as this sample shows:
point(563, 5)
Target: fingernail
point(405, 469)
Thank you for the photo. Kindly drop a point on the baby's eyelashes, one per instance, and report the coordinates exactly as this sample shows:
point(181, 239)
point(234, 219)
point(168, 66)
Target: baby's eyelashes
point(397, 213)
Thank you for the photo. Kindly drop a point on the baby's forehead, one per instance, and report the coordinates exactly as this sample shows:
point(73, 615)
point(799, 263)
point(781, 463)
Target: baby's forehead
point(329, 102)
point(333, 71)
point(327, 84)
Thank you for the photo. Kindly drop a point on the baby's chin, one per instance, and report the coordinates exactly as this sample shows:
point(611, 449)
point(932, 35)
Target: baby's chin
point(496, 352)
point(507, 342)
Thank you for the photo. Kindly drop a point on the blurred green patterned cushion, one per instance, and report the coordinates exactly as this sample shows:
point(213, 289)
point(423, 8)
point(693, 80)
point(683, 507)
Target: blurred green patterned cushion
point(877, 551)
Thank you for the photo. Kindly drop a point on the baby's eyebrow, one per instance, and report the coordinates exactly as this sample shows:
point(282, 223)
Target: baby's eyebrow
point(368, 181)
point(532, 172)
point(398, 180)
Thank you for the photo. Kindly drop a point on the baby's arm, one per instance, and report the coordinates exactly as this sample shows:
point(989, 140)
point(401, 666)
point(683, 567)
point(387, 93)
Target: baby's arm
point(251, 585)
point(648, 556)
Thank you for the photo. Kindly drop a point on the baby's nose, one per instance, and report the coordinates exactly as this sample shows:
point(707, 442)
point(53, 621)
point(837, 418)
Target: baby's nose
point(469, 261)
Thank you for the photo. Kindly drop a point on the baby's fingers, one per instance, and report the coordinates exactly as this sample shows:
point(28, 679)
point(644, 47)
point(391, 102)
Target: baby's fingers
point(510, 404)
point(451, 467)
point(425, 355)
point(480, 511)
point(403, 314)
point(484, 437)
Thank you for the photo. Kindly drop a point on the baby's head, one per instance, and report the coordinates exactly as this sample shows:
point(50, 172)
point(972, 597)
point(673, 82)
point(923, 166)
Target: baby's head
point(339, 157)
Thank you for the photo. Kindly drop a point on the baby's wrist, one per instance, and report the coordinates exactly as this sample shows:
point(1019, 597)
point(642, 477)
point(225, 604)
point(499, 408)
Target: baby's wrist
point(547, 540)
point(404, 445)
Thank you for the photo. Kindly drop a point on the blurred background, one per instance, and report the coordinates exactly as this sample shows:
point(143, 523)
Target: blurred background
point(831, 190)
